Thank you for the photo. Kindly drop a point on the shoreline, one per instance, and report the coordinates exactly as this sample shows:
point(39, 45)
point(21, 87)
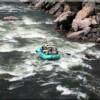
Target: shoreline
point(68, 14)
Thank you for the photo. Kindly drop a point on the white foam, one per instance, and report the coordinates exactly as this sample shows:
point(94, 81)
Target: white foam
point(49, 83)
point(6, 48)
point(70, 62)
point(12, 87)
point(27, 20)
point(72, 47)
point(67, 91)
point(21, 77)
point(64, 90)
point(93, 52)
point(24, 33)
point(47, 67)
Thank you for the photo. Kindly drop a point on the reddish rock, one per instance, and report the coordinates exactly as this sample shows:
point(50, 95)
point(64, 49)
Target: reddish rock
point(81, 21)
point(85, 11)
point(10, 18)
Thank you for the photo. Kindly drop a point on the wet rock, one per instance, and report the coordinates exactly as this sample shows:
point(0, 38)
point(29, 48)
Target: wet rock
point(10, 18)
point(74, 34)
point(90, 56)
point(65, 24)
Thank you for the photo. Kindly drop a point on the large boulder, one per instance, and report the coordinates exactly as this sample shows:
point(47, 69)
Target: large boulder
point(81, 21)
point(85, 11)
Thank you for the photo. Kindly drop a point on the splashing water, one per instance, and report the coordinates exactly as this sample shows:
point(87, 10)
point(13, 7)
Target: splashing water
point(69, 76)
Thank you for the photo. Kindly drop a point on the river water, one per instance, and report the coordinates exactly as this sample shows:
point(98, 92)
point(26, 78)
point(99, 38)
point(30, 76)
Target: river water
point(24, 76)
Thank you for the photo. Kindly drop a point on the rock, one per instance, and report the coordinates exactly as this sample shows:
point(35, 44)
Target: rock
point(85, 11)
point(74, 34)
point(47, 6)
point(39, 4)
point(98, 40)
point(34, 2)
point(98, 18)
point(63, 16)
point(62, 9)
point(10, 18)
point(59, 11)
point(81, 21)
point(81, 24)
point(90, 56)
point(54, 9)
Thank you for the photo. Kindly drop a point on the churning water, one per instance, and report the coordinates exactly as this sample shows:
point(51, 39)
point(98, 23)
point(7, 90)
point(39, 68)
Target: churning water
point(23, 75)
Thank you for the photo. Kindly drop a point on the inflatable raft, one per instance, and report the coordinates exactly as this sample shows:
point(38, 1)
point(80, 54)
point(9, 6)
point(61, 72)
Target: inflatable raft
point(45, 56)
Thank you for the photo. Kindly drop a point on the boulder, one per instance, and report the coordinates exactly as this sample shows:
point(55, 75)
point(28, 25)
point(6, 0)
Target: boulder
point(98, 18)
point(82, 24)
point(39, 4)
point(85, 11)
point(98, 40)
point(63, 17)
point(34, 2)
point(74, 34)
point(59, 11)
point(64, 8)
point(55, 7)
point(81, 20)
point(48, 6)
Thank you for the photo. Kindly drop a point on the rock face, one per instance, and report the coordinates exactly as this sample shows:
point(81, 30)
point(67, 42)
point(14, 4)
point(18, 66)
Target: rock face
point(84, 20)
point(79, 20)
point(85, 11)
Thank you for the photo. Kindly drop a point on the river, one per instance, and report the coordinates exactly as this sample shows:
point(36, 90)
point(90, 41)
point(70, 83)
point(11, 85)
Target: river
point(24, 76)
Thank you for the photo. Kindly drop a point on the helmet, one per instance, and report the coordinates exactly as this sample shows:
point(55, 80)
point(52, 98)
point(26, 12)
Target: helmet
point(46, 45)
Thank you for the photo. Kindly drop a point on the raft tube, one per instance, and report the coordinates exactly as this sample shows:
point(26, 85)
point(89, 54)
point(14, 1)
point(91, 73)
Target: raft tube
point(47, 56)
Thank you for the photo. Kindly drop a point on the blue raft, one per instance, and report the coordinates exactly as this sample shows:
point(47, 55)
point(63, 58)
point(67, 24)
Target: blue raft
point(47, 56)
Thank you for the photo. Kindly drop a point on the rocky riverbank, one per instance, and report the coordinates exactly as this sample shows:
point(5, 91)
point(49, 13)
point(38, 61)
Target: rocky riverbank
point(77, 20)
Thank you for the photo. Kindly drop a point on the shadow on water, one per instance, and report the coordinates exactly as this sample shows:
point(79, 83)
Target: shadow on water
point(36, 87)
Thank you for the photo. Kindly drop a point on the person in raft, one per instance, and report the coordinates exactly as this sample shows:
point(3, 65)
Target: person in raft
point(48, 49)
